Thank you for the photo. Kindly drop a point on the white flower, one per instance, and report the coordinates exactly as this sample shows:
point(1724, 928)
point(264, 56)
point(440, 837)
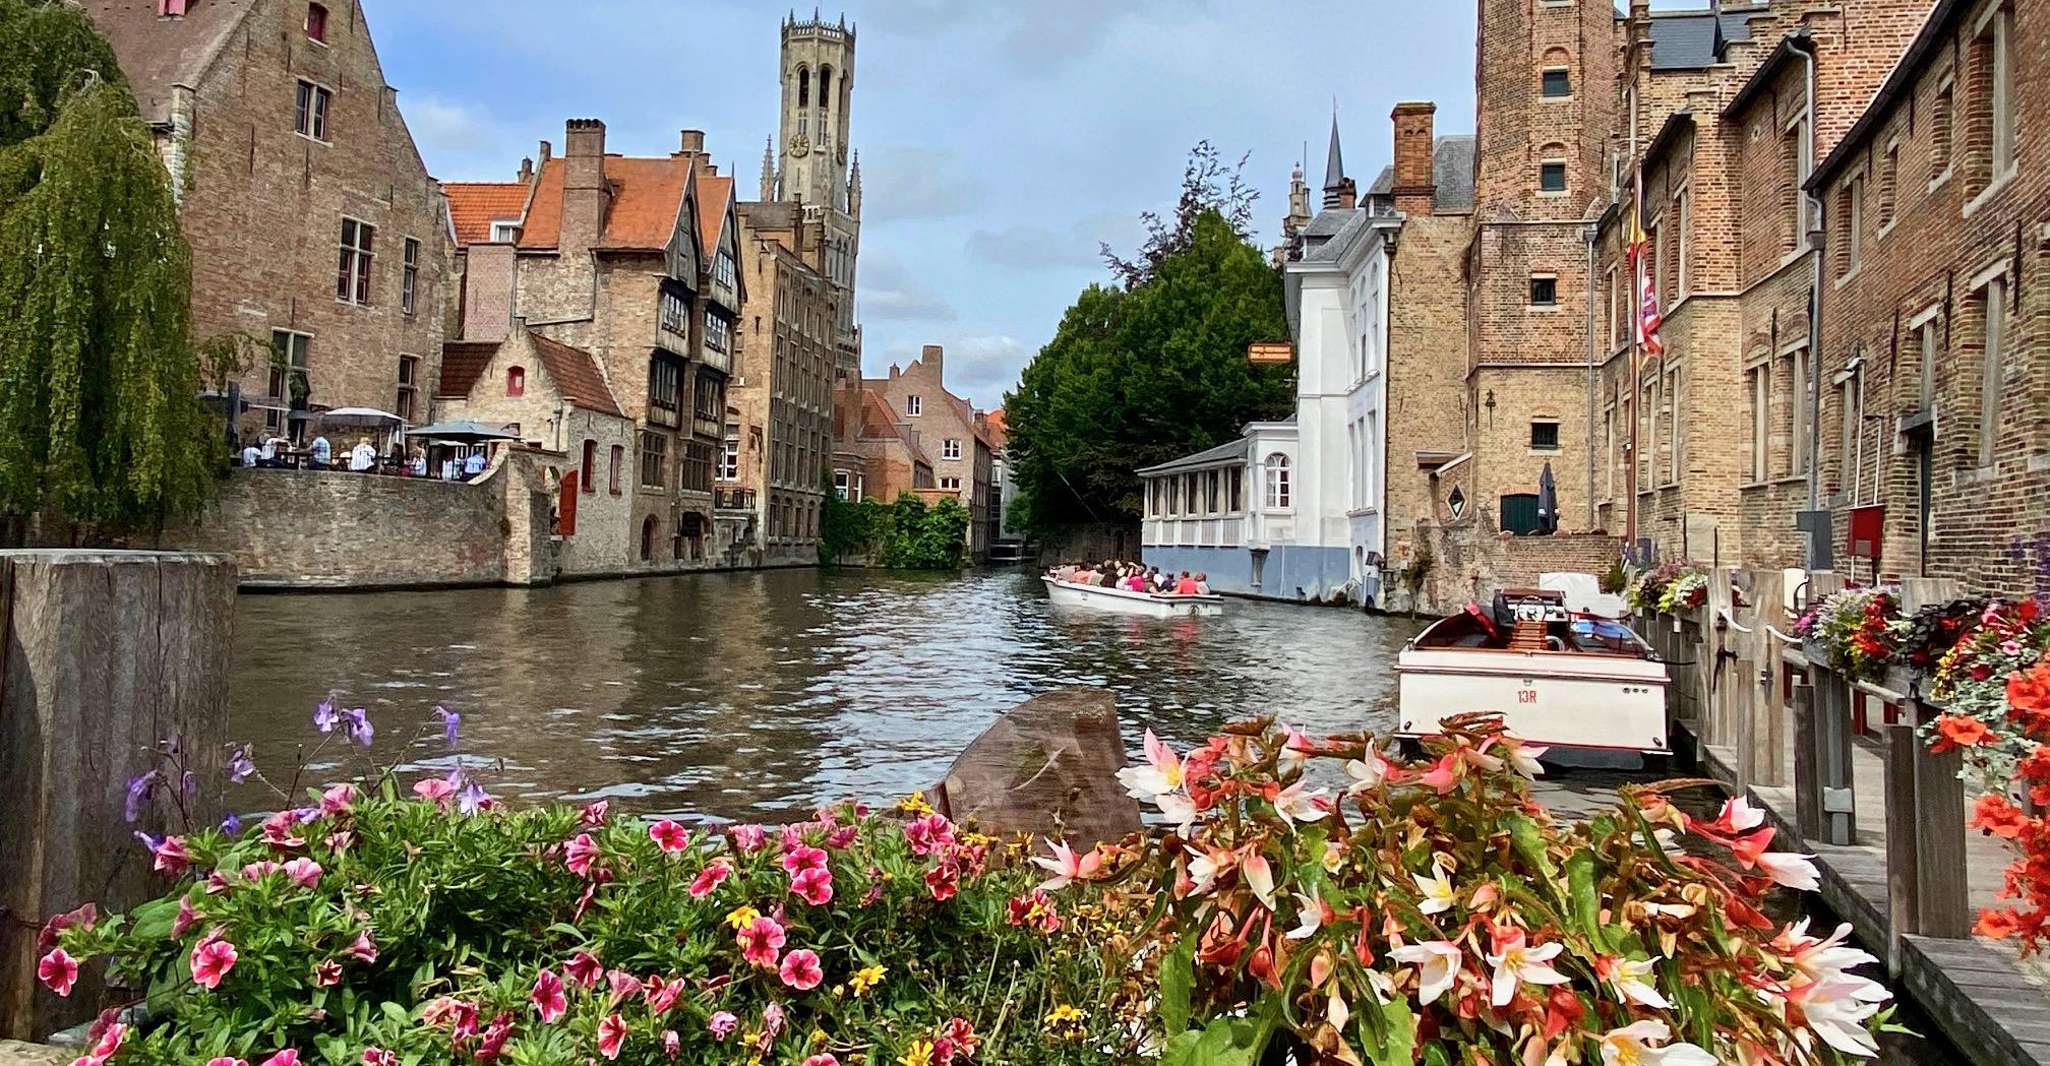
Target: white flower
point(1336, 1009)
point(1310, 917)
point(1368, 773)
point(1740, 815)
point(1437, 963)
point(1161, 774)
point(1631, 979)
point(1516, 961)
point(1203, 870)
point(1178, 809)
point(1631, 1046)
point(1260, 878)
point(1790, 870)
point(1837, 1009)
point(1439, 896)
point(1295, 805)
point(1295, 751)
point(1524, 759)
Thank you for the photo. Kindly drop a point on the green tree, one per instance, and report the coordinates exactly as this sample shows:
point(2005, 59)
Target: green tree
point(100, 417)
point(1153, 367)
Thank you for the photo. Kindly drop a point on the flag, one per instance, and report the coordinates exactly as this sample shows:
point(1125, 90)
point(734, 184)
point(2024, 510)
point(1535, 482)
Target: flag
point(1648, 318)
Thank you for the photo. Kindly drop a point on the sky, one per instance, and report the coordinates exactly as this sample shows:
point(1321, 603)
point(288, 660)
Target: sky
point(1000, 140)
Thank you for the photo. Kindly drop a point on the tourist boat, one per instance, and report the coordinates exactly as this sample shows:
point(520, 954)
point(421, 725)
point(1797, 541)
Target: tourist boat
point(1563, 680)
point(1122, 601)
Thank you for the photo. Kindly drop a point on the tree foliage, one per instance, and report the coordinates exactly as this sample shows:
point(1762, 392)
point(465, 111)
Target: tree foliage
point(1154, 367)
point(100, 417)
point(905, 535)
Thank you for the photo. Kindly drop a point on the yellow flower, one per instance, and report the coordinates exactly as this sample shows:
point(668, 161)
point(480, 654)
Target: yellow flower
point(915, 804)
point(742, 916)
point(818, 1037)
point(866, 978)
point(1064, 1015)
point(918, 1054)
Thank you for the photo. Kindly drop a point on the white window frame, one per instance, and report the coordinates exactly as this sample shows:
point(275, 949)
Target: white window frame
point(315, 103)
point(914, 405)
point(1279, 492)
point(1531, 293)
point(950, 448)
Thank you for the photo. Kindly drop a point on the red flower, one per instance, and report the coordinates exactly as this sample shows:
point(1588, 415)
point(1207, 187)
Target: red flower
point(611, 1034)
point(579, 855)
point(943, 880)
point(59, 971)
point(709, 879)
point(1995, 815)
point(211, 960)
point(962, 1034)
point(1960, 731)
point(584, 969)
point(83, 918)
point(548, 996)
point(2028, 698)
point(669, 836)
point(801, 970)
point(1998, 925)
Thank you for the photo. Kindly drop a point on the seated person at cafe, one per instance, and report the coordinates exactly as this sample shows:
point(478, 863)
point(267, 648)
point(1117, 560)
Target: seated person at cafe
point(474, 465)
point(363, 456)
point(269, 455)
point(418, 466)
point(322, 453)
point(250, 456)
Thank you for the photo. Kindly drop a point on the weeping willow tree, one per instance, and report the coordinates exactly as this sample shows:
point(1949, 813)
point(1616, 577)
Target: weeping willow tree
point(100, 418)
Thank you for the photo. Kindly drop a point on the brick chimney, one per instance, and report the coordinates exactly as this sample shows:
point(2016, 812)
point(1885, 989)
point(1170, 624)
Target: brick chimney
point(1416, 146)
point(693, 142)
point(934, 358)
point(584, 193)
point(526, 174)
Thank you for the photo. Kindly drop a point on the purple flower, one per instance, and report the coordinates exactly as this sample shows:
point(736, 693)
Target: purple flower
point(138, 789)
point(190, 783)
point(357, 724)
point(232, 826)
point(450, 722)
point(472, 798)
point(149, 843)
point(239, 766)
point(324, 717)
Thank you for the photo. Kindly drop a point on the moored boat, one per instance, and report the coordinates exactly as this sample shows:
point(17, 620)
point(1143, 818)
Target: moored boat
point(1574, 682)
point(1124, 601)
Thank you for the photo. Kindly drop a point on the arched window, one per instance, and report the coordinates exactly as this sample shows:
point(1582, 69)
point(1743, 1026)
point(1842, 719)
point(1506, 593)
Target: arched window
point(825, 88)
point(803, 87)
point(1277, 482)
point(516, 381)
point(589, 473)
point(648, 539)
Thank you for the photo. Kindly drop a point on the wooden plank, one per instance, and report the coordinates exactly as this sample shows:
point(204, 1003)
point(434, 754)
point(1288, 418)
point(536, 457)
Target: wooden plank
point(1902, 880)
point(1807, 762)
point(1769, 710)
point(1943, 894)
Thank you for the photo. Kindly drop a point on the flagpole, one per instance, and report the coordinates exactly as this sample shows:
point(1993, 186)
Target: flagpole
point(1636, 333)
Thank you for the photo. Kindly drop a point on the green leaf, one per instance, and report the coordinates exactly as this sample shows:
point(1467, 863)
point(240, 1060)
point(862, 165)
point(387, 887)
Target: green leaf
point(1584, 902)
point(1177, 974)
point(152, 920)
point(1396, 1044)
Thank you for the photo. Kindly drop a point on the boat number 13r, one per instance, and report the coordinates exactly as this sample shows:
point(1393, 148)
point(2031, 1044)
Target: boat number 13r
point(1526, 695)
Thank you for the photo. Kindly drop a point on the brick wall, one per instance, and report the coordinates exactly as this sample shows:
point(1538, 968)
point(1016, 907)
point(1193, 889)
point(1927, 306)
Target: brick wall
point(1426, 362)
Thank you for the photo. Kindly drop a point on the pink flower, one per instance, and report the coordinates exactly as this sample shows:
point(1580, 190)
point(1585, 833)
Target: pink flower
point(611, 1034)
point(59, 971)
point(362, 947)
point(224, 1060)
point(287, 1057)
point(548, 996)
point(944, 880)
point(257, 871)
point(338, 800)
point(929, 834)
point(593, 816)
point(304, 872)
point(82, 918)
point(1067, 867)
point(662, 995)
point(669, 836)
point(814, 886)
point(748, 839)
point(1444, 777)
point(584, 969)
point(171, 856)
point(277, 830)
point(801, 858)
point(211, 960)
point(722, 1024)
point(672, 1045)
point(579, 855)
point(188, 916)
point(822, 1060)
point(495, 1036)
point(377, 1056)
point(772, 1021)
point(962, 1033)
point(801, 970)
point(843, 837)
point(435, 790)
point(624, 985)
point(110, 1042)
point(327, 974)
point(761, 942)
point(709, 879)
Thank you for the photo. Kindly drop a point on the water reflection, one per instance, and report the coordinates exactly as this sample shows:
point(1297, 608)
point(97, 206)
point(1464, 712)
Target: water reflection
point(754, 696)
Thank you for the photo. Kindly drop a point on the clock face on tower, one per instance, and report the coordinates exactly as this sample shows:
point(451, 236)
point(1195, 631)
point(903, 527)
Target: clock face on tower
point(800, 145)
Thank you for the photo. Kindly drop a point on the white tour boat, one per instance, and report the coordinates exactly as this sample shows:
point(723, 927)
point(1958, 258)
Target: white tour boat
point(1124, 601)
point(1576, 682)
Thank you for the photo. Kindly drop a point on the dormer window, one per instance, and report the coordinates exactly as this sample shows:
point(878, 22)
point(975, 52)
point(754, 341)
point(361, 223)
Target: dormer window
point(316, 23)
point(505, 232)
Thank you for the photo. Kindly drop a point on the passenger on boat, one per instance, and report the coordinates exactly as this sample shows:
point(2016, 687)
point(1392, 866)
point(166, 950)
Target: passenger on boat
point(1157, 580)
point(1185, 585)
point(1110, 575)
point(1202, 583)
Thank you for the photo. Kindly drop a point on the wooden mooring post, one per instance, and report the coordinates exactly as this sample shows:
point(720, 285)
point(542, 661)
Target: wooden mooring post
point(102, 655)
point(1903, 858)
point(1767, 711)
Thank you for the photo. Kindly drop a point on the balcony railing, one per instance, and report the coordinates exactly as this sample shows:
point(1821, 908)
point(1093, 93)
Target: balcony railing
point(733, 499)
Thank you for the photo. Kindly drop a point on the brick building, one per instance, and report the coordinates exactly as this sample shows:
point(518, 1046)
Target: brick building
point(635, 261)
point(948, 430)
point(876, 453)
point(313, 223)
point(812, 165)
point(1934, 358)
point(780, 445)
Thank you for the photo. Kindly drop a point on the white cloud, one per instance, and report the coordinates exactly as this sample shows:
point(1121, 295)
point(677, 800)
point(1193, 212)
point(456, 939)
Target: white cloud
point(885, 290)
point(904, 182)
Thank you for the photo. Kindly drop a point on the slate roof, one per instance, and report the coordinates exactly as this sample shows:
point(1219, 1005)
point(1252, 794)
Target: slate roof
point(159, 53)
point(462, 362)
point(1223, 453)
point(474, 205)
point(1686, 40)
point(576, 375)
point(647, 196)
point(1451, 167)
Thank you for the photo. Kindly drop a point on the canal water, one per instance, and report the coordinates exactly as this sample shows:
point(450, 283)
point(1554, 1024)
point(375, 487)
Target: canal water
point(755, 696)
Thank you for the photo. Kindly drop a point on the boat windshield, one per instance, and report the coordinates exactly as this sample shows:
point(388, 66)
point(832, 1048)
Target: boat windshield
point(1602, 634)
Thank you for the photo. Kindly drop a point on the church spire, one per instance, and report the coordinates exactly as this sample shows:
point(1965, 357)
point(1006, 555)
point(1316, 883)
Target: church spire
point(769, 170)
point(1334, 167)
point(854, 186)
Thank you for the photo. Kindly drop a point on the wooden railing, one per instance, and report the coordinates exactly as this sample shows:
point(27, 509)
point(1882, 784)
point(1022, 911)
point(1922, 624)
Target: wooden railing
point(1774, 720)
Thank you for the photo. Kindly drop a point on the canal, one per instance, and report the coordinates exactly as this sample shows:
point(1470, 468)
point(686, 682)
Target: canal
point(755, 696)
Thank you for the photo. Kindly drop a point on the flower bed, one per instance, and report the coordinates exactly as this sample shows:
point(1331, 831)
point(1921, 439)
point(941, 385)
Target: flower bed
point(1859, 631)
point(1430, 911)
point(1669, 587)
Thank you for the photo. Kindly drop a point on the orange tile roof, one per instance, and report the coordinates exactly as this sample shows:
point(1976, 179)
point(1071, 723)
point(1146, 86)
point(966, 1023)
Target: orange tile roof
point(647, 196)
point(576, 376)
point(999, 430)
point(462, 362)
point(474, 205)
point(714, 194)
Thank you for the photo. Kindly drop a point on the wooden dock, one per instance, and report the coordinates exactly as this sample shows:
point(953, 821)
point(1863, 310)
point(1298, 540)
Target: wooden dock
point(1840, 770)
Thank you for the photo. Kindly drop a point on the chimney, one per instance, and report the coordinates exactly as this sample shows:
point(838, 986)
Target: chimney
point(1348, 195)
point(934, 358)
point(694, 142)
point(894, 371)
point(1416, 145)
point(526, 175)
point(547, 153)
point(584, 193)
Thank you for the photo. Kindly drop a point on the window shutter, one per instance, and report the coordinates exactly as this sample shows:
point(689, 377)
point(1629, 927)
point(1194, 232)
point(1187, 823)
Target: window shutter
point(566, 510)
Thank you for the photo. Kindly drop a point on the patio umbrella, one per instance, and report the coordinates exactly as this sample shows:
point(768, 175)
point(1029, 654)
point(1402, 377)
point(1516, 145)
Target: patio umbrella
point(461, 432)
point(1548, 501)
point(358, 416)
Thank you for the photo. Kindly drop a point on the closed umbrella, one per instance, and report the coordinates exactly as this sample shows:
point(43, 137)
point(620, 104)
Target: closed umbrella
point(1548, 501)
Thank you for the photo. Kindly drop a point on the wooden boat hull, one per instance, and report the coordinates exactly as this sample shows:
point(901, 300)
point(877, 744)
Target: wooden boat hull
point(1120, 601)
point(1554, 699)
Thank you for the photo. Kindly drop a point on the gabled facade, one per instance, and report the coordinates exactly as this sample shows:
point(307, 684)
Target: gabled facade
point(313, 223)
point(949, 432)
point(781, 446)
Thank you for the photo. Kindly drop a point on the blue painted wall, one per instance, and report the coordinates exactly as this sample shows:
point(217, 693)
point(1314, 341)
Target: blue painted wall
point(1291, 572)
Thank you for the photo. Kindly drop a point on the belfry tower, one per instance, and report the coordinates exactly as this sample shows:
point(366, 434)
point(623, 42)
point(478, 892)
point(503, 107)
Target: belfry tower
point(816, 165)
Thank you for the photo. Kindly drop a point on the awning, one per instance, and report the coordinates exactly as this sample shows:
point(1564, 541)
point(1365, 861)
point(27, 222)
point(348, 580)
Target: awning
point(461, 432)
point(358, 416)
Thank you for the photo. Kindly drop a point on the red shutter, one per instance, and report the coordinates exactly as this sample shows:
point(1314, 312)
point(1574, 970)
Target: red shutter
point(566, 509)
point(171, 8)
